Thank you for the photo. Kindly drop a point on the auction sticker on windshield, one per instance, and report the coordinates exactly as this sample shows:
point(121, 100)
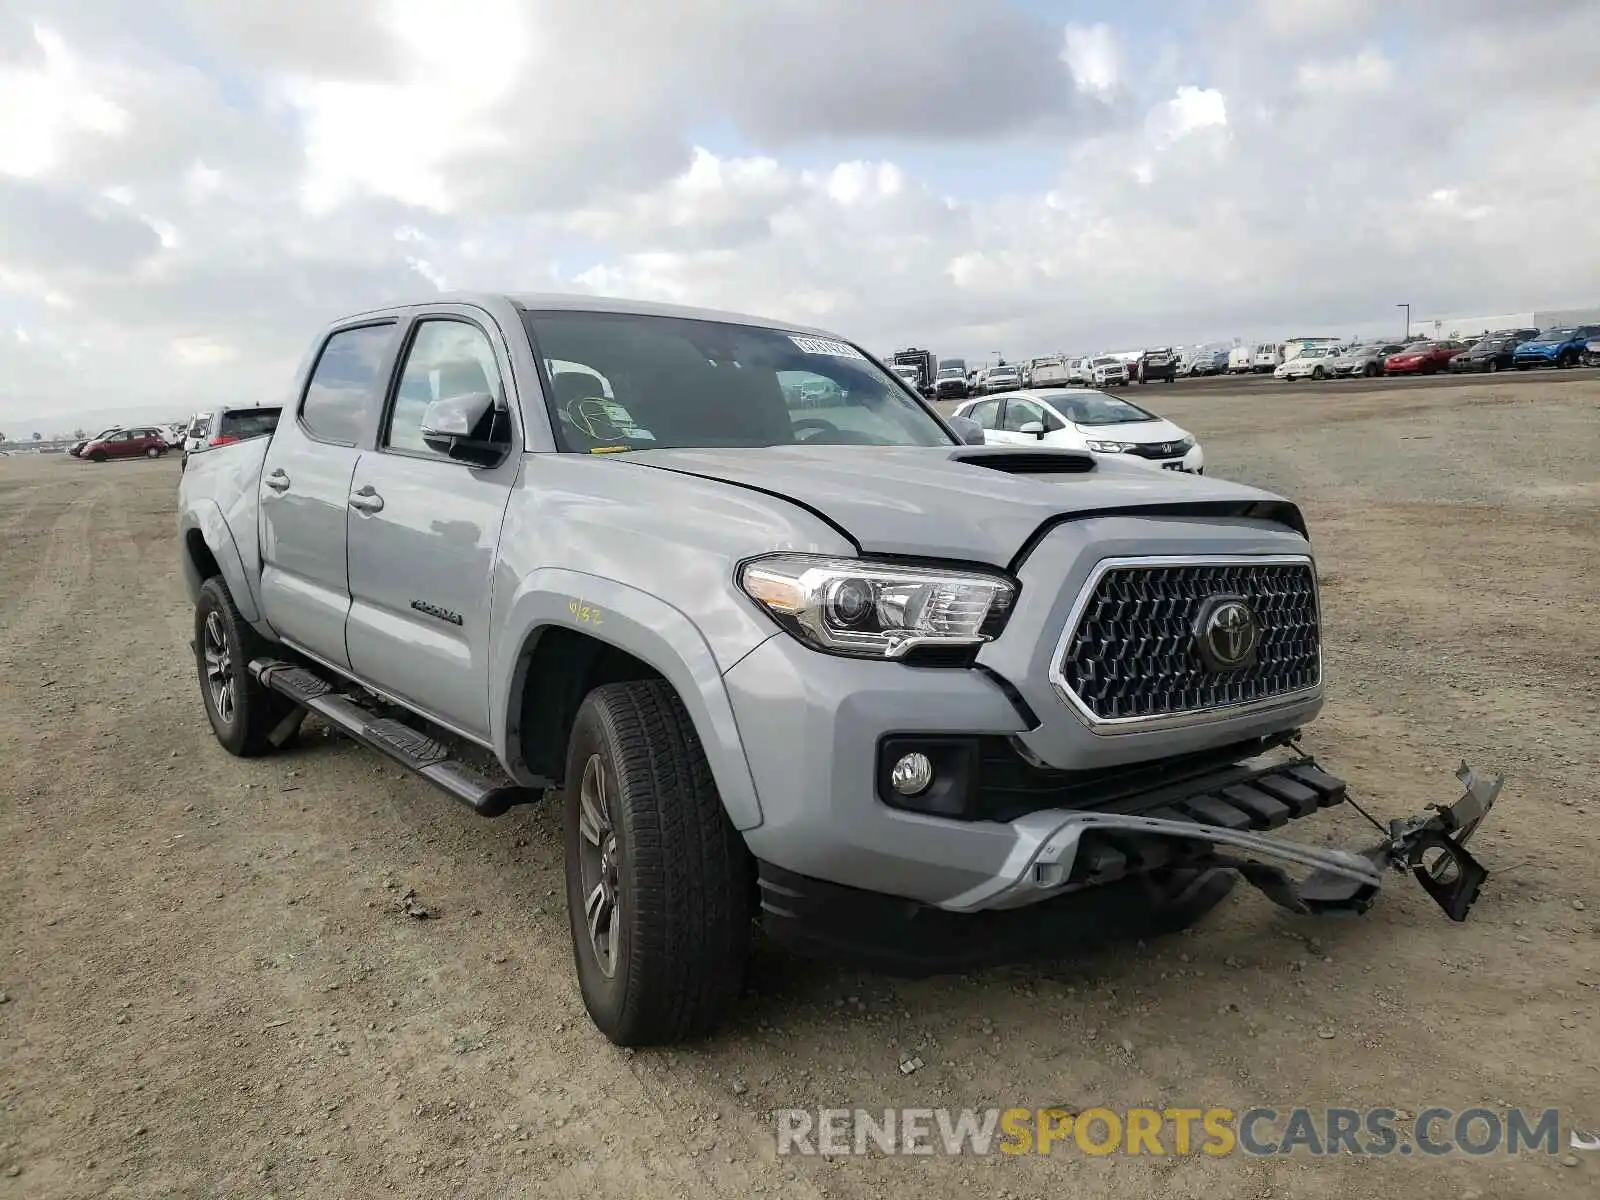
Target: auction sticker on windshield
point(816, 345)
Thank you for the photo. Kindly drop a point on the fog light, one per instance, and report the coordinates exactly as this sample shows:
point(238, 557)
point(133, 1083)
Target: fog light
point(912, 774)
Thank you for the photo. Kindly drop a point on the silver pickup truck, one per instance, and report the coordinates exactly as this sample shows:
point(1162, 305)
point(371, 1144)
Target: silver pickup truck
point(784, 644)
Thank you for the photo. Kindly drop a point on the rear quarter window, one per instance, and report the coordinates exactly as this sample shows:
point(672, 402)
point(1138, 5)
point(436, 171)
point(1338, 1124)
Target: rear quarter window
point(249, 422)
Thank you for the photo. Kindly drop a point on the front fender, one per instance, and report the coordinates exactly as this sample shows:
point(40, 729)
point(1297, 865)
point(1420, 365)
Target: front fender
point(644, 626)
point(206, 517)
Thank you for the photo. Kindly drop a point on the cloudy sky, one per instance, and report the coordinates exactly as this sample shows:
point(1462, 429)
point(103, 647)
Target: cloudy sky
point(189, 187)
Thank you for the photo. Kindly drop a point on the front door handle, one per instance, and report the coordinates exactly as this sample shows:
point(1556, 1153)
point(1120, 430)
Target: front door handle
point(278, 480)
point(366, 500)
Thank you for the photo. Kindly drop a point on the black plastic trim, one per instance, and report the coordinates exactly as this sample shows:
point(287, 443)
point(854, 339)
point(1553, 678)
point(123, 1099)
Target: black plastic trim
point(1278, 512)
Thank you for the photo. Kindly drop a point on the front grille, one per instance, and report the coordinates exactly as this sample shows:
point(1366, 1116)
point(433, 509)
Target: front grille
point(1162, 449)
point(1132, 654)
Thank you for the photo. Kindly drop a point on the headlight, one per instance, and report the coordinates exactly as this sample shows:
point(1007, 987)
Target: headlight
point(876, 610)
point(1109, 447)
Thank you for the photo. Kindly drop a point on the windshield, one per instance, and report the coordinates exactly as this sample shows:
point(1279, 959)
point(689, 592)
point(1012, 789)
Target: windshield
point(627, 381)
point(1003, 373)
point(1555, 335)
point(952, 373)
point(1096, 408)
point(1107, 362)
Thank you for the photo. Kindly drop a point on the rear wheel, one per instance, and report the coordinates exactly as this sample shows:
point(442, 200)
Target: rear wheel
point(152, 452)
point(659, 882)
point(242, 712)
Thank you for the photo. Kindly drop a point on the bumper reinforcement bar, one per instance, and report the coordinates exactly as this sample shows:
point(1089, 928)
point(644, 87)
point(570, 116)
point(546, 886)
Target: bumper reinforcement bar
point(1430, 846)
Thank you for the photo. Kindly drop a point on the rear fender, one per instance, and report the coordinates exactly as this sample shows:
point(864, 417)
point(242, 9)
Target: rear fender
point(642, 625)
point(206, 517)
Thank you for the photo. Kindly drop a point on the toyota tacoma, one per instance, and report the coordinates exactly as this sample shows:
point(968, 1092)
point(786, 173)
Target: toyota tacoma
point(838, 669)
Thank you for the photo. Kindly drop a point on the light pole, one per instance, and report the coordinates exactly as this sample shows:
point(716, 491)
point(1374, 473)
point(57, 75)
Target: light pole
point(1407, 307)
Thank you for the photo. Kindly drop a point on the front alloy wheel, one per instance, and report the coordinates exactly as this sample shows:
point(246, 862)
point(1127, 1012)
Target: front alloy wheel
point(598, 866)
point(659, 884)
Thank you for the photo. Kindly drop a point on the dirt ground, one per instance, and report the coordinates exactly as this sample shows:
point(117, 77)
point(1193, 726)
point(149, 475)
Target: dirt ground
point(210, 990)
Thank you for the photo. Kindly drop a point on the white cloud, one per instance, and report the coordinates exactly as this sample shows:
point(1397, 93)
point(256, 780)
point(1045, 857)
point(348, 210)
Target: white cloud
point(1093, 56)
point(1366, 72)
point(39, 106)
point(397, 140)
point(1191, 109)
point(1304, 18)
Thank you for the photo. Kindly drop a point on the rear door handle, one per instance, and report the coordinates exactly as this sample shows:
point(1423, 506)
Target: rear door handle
point(278, 480)
point(367, 500)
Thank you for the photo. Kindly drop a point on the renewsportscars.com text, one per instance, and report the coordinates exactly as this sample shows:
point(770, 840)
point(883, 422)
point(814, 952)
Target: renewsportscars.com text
point(1259, 1132)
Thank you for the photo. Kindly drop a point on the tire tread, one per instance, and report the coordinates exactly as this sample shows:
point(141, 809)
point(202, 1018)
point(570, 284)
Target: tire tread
point(690, 916)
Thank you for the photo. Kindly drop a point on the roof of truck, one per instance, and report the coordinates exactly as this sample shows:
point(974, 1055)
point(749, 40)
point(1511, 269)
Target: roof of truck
point(576, 302)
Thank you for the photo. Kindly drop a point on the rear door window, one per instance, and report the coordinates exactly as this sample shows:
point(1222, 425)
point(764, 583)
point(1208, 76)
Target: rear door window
point(345, 392)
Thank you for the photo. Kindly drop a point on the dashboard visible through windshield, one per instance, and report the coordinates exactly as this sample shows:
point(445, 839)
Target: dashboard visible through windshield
point(622, 381)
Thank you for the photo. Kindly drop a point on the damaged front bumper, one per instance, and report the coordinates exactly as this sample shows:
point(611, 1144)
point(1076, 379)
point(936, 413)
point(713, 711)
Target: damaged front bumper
point(1060, 851)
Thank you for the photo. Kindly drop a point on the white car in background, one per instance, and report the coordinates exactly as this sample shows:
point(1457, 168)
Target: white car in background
point(1108, 371)
point(1080, 419)
point(194, 437)
point(1314, 362)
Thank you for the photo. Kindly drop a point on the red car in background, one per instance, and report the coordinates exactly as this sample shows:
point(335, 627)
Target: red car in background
point(125, 443)
point(1422, 358)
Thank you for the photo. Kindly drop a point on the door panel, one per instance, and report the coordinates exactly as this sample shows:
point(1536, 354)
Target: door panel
point(305, 491)
point(304, 587)
point(420, 574)
point(422, 557)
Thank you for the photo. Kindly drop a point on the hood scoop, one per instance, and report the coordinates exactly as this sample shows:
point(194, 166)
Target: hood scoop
point(1026, 462)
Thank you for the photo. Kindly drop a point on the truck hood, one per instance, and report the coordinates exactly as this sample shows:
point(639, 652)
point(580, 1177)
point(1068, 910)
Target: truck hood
point(927, 502)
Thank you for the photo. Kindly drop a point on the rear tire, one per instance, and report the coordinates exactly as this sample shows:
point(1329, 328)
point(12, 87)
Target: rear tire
point(242, 712)
point(152, 452)
point(659, 883)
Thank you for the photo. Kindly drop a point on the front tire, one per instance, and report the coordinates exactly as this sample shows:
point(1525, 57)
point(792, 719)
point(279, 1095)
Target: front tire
point(659, 883)
point(99, 456)
point(242, 712)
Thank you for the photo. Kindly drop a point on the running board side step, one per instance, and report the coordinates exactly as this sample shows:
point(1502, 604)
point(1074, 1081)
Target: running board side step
point(411, 748)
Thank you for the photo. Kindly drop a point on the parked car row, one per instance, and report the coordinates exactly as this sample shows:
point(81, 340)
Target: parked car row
point(1501, 350)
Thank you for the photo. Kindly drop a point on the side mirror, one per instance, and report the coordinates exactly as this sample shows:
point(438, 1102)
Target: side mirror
point(463, 427)
point(968, 430)
point(1034, 427)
